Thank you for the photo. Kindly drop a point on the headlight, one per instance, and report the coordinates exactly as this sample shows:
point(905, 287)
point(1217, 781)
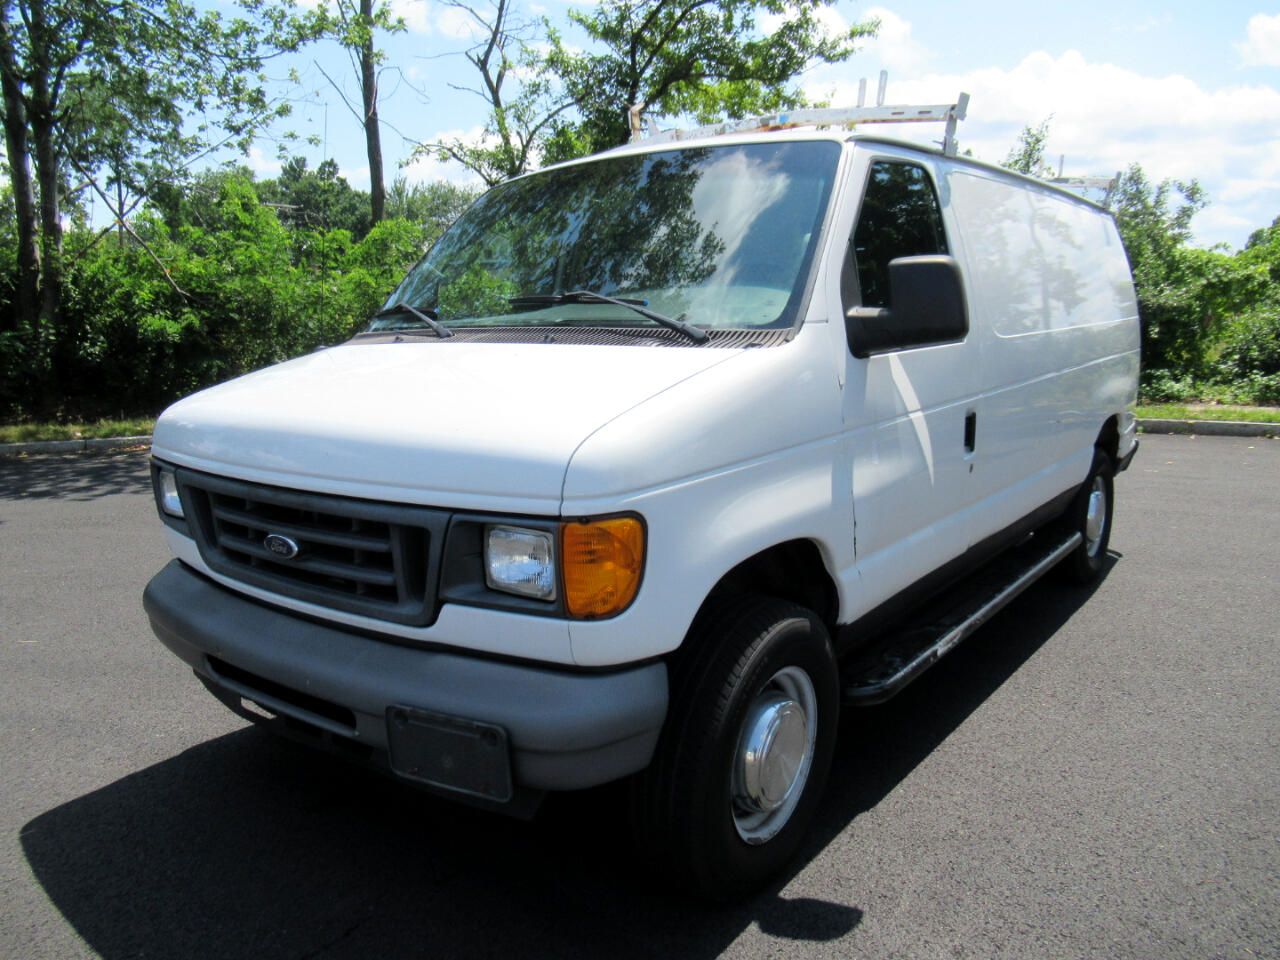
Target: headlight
point(520, 561)
point(170, 502)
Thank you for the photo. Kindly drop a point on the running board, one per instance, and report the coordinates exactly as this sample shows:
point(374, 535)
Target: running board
point(878, 674)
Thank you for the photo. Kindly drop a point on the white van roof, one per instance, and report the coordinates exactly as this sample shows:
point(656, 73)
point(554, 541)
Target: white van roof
point(839, 125)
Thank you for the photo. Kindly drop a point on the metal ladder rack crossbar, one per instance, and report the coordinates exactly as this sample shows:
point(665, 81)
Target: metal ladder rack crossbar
point(948, 113)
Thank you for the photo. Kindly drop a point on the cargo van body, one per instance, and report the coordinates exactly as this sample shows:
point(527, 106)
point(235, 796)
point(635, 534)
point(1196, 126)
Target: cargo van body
point(522, 535)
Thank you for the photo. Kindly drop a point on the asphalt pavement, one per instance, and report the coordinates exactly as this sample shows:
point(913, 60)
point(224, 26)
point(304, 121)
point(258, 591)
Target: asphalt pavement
point(1096, 773)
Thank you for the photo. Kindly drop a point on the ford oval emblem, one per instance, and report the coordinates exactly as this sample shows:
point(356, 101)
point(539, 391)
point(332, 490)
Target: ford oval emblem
point(286, 548)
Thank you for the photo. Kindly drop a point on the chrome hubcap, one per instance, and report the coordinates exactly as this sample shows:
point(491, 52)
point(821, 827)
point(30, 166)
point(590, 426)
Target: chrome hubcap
point(1095, 518)
point(775, 751)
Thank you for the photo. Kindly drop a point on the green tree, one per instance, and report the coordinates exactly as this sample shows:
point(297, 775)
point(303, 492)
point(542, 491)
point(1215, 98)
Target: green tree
point(1250, 347)
point(519, 118)
point(317, 199)
point(1154, 220)
point(704, 58)
point(102, 91)
point(1027, 155)
point(354, 24)
point(1263, 250)
point(432, 207)
point(115, 99)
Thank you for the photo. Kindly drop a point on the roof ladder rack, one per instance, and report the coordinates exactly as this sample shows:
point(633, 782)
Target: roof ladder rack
point(948, 113)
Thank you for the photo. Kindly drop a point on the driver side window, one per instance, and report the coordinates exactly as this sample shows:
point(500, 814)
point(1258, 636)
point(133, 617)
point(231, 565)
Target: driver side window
point(900, 217)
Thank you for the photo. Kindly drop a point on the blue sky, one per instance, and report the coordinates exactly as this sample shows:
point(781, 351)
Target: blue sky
point(1185, 89)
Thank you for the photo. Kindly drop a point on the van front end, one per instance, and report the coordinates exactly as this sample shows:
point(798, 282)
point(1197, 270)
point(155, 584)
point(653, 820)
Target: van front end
point(402, 587)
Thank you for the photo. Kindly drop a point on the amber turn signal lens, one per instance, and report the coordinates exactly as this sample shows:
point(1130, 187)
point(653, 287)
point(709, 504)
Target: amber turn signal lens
point(602, 564)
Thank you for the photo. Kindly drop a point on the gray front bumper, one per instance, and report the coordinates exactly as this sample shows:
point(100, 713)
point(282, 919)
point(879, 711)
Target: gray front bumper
point(565, 730)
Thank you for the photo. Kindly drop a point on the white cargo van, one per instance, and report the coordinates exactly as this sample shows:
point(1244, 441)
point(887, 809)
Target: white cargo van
point(655, 462)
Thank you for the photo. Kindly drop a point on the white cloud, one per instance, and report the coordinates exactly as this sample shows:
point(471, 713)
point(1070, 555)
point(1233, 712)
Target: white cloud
point(1261, 47)
point(357, 177)
point(1219, 220)
point(1106, 117)
point(1249, 189)
point(894, 46)
point(262, 165)
point(413, 12)
point(457, 23)
point(829, 18)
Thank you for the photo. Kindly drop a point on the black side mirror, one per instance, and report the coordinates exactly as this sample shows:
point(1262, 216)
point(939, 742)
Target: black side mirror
point(928, 306)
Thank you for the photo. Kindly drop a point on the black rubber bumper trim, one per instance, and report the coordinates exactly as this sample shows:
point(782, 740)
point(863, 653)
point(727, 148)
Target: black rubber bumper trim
point(567, 730)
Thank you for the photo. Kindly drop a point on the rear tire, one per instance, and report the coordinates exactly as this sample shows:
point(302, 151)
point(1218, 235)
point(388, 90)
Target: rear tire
point(745, 752)
point(1090, 514)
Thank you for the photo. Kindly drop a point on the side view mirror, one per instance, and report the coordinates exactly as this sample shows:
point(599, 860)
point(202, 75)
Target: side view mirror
point(928, 306)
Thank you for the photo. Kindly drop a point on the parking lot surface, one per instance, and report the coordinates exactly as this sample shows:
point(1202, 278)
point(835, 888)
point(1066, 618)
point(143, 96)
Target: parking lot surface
point(1095, 773)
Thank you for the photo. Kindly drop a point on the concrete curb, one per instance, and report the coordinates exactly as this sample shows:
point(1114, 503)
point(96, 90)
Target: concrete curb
point(1204, 428)
point(1211, 428)
point(70, 446)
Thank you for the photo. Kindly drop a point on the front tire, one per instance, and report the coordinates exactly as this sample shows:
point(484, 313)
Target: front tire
point(745, 752)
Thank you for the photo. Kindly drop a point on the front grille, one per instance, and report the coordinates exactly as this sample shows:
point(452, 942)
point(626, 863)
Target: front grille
point(360, 556)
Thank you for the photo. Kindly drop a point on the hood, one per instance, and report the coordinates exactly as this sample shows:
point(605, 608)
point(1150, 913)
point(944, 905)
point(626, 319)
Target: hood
point(471, 425)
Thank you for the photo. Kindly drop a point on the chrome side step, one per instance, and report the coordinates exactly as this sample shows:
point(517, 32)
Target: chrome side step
point(893, 665)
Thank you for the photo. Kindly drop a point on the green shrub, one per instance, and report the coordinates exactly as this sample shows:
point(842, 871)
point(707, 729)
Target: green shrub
point(1262, 389)
point(242, 291)
point(1164, 386)
point(1250, 345)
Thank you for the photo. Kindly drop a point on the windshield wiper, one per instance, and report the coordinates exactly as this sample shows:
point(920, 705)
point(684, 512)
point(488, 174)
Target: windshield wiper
point(429, 317)
point(679, 324)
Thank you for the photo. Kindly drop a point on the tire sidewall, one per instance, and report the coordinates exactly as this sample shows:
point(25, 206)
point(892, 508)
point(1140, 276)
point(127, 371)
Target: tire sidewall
point(1085, 568)
point(724, 861)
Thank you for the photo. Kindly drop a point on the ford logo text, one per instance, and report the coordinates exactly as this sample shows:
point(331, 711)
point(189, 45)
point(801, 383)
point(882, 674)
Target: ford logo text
point(286, 548)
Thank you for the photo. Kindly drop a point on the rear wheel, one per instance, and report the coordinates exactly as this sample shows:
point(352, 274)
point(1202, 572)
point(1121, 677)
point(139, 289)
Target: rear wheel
point(746, 749)
point(1090, 514)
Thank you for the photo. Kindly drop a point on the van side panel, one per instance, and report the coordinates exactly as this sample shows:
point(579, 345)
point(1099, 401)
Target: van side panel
point(1054, 310)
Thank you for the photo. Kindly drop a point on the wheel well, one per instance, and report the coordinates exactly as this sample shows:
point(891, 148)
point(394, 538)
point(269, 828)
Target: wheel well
point(790, 571)
point(1109, 438)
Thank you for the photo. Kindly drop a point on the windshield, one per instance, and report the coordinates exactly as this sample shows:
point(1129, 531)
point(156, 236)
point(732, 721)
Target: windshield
point(717, 236)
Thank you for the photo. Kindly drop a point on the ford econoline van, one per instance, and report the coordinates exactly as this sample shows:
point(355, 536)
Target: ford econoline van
point(656, 462)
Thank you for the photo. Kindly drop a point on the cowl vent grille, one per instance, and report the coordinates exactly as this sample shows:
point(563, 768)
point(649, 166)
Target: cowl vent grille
point(585, 336)
point(374, 559)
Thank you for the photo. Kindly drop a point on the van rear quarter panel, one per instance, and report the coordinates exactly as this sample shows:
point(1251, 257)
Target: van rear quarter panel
point(1053, 307)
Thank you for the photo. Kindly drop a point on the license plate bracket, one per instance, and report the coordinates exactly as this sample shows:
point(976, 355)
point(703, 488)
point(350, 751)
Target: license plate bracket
point(452, 753)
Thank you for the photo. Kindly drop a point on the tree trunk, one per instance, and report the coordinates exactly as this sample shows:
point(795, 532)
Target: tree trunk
point(372, 132)
point(50, 216)
point(18, 150)
point(40, 119)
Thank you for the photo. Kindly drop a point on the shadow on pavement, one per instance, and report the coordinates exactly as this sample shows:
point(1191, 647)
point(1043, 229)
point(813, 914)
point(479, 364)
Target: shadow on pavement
point(250, 846)
point(74, 476)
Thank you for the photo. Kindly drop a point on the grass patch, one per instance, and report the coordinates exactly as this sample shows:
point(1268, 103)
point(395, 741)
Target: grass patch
point(1207, 411)
point(103, 429)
